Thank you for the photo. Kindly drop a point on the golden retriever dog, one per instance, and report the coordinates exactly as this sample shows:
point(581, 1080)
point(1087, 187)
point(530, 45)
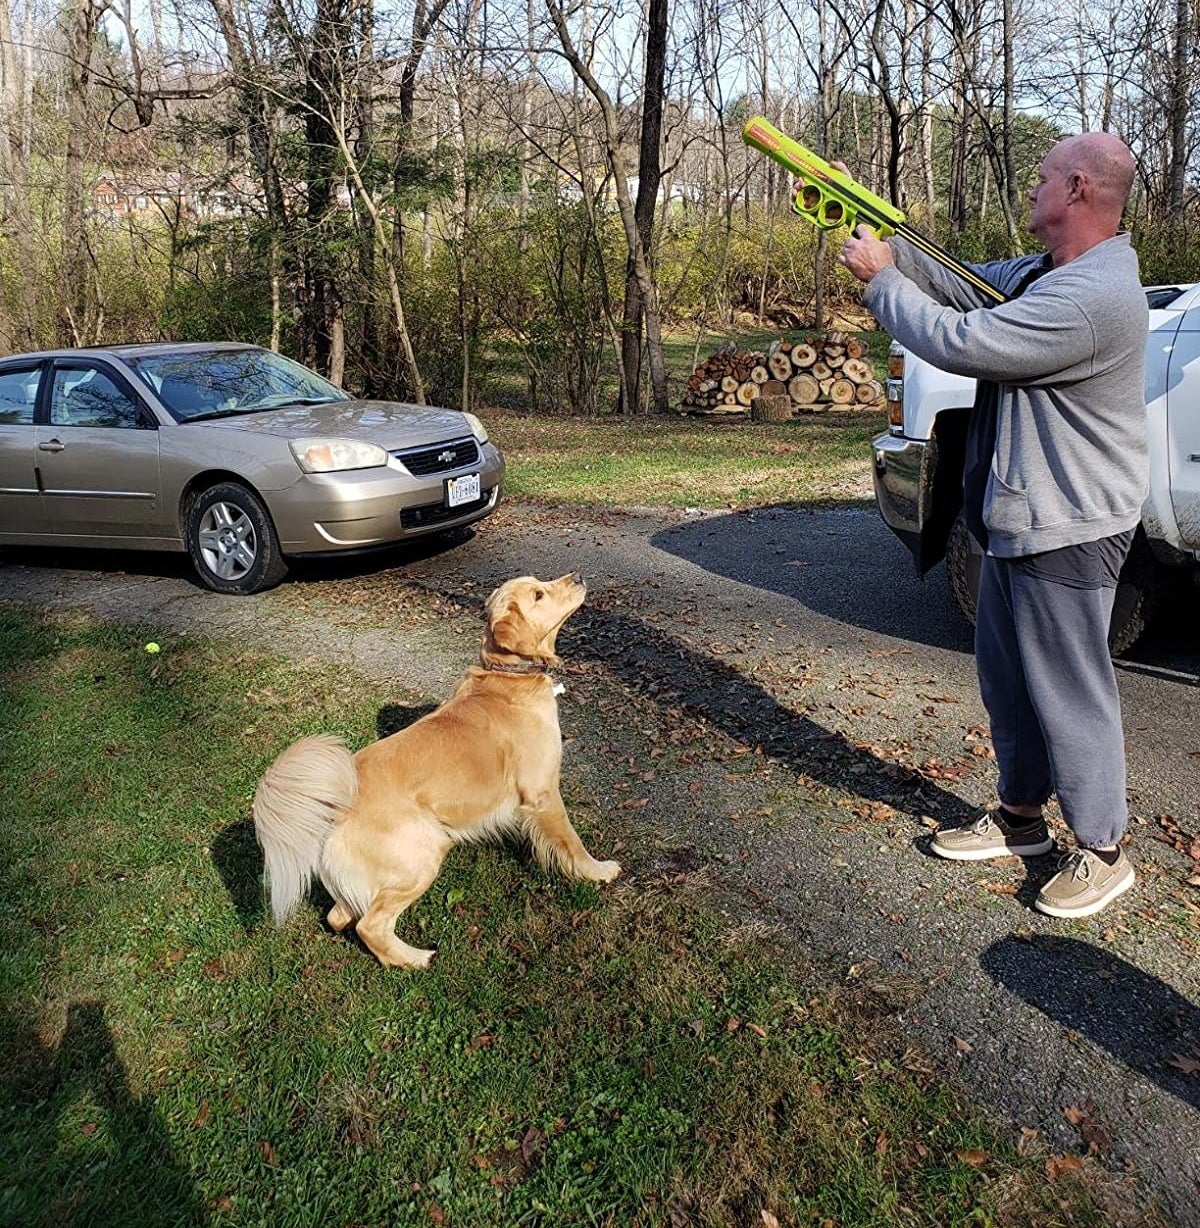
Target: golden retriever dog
point(376, 825)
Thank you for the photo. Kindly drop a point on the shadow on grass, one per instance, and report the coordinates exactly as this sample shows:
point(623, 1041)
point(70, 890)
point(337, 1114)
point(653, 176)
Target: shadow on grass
point(87, 1151)
point(1141, 1021)
point(391, 718)
point(238, 859)
point(239, 862)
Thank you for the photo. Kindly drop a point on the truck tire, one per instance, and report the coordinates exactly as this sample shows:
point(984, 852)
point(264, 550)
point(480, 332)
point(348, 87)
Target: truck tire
point(963, 562)
point(1132, 606)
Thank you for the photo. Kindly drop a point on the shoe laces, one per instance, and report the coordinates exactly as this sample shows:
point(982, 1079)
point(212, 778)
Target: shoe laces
point(1078, 863)
point(983, 826)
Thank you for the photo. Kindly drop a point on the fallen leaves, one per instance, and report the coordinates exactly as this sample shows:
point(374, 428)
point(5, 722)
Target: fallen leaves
point(963, 1046)
point(1096, 1137)
point(1181, 841)
point(1188, 1065)
point(1057, 1166)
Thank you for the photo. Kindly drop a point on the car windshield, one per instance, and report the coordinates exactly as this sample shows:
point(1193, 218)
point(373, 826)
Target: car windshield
point(225, 383)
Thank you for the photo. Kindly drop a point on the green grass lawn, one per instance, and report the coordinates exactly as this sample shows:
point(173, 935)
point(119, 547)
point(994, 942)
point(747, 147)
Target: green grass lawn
point(689, 462)
point(674, 461)
point(623, 1056)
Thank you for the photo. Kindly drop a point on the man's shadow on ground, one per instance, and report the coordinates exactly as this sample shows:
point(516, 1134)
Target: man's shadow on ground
point(1141, 1021)
point(848, 566)
point(674, 674)
point(845, 565)
point(115, 1164)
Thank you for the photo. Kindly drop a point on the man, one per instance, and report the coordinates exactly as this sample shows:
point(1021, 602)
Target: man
point(1056, 472)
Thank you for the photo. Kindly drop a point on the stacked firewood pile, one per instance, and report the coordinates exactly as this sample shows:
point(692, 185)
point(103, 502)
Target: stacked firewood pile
point(812, 375)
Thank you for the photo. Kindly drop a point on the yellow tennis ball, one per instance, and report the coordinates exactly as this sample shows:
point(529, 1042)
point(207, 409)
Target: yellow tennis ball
point(153, 647)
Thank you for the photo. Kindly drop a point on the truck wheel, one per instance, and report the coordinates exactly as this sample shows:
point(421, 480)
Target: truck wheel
point(1137, 595)
point(232, 542)
point(964, 560)
point(1136, 592)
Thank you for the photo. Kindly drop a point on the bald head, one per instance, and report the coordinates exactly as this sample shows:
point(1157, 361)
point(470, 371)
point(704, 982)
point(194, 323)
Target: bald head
point(1081, 190)
point(1105, 161)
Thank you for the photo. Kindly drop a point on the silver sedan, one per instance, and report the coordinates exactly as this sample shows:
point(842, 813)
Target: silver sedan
point(232, 453)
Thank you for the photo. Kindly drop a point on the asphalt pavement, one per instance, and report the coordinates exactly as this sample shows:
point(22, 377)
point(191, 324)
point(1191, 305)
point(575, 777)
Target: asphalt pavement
point(802, 644)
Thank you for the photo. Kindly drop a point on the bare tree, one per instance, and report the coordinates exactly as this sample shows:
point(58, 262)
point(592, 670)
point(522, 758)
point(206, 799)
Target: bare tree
point(638, 253)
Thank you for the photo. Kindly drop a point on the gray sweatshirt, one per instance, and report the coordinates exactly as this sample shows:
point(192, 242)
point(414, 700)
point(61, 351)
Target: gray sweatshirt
point(1069, 462)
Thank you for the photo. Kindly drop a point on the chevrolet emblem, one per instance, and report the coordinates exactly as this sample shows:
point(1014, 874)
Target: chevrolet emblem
point(446, 457)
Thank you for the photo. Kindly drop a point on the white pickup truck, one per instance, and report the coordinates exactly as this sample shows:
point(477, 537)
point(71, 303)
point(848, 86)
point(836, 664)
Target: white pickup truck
point(919, 463)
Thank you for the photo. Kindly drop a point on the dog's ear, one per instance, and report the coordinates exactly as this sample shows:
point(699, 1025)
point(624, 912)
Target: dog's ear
point(510, 631)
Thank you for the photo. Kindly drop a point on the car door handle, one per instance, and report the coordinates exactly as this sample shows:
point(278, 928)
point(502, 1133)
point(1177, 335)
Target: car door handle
point(51, 445)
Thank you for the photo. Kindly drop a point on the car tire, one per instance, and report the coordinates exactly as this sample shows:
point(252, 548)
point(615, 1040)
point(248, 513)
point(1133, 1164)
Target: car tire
point(1135, 599)
point(232, 541)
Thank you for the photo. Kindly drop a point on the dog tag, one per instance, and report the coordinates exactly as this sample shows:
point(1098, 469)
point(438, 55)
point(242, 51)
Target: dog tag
point(557, 689)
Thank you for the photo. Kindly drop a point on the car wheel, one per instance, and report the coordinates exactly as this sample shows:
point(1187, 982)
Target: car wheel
point(1137, 589)
point(232, 542)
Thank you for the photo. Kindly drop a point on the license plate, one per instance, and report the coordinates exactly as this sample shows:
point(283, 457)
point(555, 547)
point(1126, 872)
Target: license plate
point(462, 490)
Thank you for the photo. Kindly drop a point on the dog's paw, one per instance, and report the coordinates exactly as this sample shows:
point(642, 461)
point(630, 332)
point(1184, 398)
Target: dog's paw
point(422, 959)
point(604, 871)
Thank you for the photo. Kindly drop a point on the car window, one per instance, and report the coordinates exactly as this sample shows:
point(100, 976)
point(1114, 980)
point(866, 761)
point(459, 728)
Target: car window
point(85, 396)
point(18, 395)
point(1159, 297)
point(227, 382)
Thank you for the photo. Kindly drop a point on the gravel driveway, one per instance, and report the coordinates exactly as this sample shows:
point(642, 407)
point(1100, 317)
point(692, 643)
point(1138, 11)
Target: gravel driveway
point(773, 699)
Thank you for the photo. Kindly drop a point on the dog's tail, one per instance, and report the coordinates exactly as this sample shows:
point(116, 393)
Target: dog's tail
point(298, 798)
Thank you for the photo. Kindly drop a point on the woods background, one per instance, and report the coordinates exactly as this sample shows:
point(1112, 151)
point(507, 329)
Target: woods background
point(404, 196)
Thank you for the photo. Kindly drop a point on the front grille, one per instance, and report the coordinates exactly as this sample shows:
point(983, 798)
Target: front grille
point(439, 513)
point(440, 457)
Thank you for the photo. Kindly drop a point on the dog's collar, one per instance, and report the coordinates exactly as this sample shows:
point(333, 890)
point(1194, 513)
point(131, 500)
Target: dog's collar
point(524, 667)
point(521, 667)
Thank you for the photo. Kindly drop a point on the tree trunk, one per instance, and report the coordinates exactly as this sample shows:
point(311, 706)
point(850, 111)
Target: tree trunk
point(81, 38)
point(20, 330)
point(324, 96)
point(649, 178)
point(368, 328)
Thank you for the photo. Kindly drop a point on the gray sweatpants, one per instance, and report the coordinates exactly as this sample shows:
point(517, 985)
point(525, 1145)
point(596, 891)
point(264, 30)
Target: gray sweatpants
point(1048, 684)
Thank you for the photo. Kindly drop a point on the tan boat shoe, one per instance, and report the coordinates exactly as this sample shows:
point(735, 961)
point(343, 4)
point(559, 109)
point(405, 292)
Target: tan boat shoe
point(1084, 884)
point(991, 837)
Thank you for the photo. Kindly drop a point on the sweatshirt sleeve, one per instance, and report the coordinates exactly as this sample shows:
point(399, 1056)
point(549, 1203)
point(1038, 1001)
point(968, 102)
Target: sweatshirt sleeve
point(1040, 338)
point(935, 279)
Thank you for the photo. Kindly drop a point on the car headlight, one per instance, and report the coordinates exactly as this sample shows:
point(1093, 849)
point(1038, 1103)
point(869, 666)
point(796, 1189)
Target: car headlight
point(477, 427)
point(334, 455)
